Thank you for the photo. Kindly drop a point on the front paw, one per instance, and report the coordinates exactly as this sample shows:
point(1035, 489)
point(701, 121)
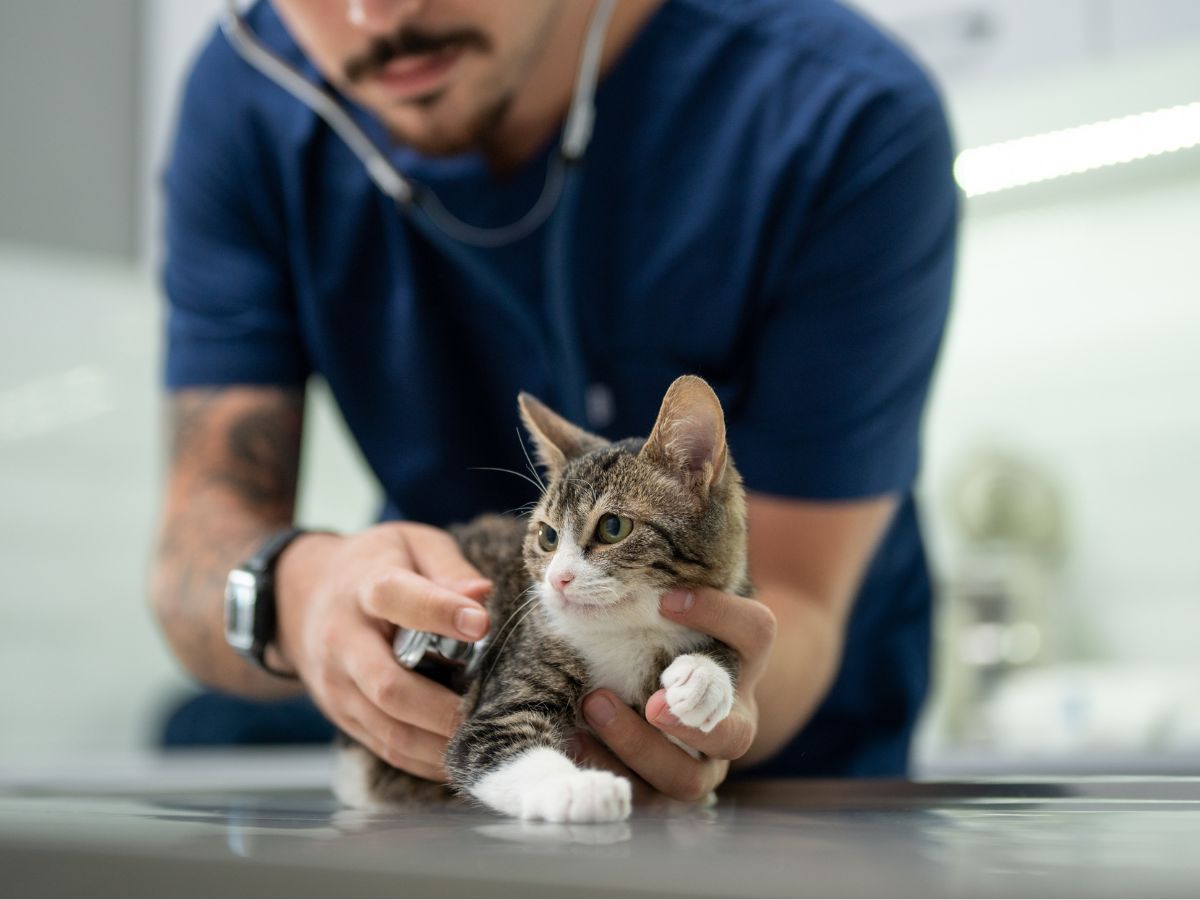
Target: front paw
point(541, 783)
point(586, 795)
point(699, 691)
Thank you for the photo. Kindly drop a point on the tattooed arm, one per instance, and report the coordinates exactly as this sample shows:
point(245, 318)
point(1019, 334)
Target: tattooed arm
point(231, 481)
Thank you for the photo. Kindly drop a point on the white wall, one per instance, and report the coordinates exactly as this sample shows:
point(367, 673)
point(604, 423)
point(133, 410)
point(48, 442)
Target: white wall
point(1075, 342)
point(967, 42)
point(69, 145)
point(173, 32)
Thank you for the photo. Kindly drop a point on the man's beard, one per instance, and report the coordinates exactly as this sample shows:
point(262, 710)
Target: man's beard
point(476, 133)
point(432, 140)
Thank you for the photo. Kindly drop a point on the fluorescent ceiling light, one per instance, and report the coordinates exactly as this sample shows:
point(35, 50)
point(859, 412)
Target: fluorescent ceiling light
point(996, 167)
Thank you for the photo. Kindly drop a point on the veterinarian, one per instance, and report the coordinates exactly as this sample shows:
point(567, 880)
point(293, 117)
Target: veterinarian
point(760, 193)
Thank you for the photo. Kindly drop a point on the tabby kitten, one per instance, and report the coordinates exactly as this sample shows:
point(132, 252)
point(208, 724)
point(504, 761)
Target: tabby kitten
point(575, 607)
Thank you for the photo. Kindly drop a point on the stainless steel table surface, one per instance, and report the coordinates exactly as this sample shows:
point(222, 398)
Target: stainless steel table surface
point(259, 824)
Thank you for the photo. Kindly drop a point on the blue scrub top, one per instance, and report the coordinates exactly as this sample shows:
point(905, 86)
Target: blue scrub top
point(767, 202)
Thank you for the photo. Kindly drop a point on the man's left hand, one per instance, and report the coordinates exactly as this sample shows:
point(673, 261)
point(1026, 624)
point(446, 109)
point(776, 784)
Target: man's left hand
point(639, 746)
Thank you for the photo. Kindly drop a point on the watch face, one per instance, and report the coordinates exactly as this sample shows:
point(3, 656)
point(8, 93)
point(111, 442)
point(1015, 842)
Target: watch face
point(241, 591)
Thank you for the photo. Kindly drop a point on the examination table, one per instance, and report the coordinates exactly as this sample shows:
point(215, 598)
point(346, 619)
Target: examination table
point(247, 824)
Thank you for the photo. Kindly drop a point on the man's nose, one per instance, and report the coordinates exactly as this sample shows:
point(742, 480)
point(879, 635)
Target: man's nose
point(560, 580)
point(382, 16)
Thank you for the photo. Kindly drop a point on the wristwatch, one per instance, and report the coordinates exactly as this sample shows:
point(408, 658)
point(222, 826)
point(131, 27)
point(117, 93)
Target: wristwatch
point(250, 617)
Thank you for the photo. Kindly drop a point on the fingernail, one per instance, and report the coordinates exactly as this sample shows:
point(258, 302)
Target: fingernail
point(472, 622)
point(666, 717)
point(677, 601)
point(599, 710)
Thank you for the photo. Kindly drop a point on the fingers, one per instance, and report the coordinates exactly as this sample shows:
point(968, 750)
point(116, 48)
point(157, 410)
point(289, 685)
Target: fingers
point(413, 601)
point(643, 748)
point(401, 695)
point(397, 743)
point(398, 715)
point(744, 624)
point(585, 750)
point(729, 740)
point(588, 752)
point(436, 555)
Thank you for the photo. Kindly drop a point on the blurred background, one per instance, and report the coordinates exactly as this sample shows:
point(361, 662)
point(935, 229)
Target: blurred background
point(1061, 482)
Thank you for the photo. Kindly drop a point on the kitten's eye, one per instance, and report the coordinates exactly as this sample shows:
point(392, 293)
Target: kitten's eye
point(547, 537)
point(613, 528)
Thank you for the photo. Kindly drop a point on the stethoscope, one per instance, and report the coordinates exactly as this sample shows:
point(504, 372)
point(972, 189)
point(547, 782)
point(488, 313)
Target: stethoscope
point(555, 207)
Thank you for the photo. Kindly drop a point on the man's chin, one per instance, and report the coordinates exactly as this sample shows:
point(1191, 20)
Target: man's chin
point(435, 142)
point(433, 127)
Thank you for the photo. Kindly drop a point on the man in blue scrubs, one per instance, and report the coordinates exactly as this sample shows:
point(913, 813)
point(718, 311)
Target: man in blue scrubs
point(767, 202)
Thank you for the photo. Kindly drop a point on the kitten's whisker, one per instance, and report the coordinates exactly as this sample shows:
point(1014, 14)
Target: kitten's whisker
point(524, 509)
point(510, 472)
point(520, 606)
point(528, 606)
point(601, 592)
point(529, 461)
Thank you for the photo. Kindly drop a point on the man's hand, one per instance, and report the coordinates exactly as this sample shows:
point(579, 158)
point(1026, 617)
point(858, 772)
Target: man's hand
point(807, 559)
point(340, 601)
point(745, 625)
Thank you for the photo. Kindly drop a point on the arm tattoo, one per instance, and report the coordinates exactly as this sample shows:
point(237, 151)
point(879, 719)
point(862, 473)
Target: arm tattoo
point(252, 449)
point(235, 455)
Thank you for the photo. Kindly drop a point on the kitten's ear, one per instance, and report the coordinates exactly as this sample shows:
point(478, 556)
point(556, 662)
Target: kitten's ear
point(689, 436)
point(555, 439)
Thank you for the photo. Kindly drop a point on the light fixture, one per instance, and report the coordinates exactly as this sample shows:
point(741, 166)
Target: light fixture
point(1041, 157)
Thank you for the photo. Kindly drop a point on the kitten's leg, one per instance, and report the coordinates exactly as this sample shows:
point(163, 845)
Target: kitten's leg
point(509, 757)
point(353, 775)
point(700, 686)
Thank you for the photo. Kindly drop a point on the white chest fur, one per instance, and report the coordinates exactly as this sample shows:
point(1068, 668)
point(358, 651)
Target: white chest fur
point(622, 644)
point(625, 658)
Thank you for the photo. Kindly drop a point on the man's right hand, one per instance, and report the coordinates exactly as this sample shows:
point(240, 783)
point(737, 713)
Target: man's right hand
point(340, 600)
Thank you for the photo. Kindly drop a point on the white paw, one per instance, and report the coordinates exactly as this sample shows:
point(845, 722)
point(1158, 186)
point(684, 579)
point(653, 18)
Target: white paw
point(583, 796)
point(699, 691)
point(542, 784)
point(352, 777)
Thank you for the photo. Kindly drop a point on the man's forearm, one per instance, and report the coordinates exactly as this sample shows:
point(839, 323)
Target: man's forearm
point(187, 588)
point(803, 662)
point(234, 463)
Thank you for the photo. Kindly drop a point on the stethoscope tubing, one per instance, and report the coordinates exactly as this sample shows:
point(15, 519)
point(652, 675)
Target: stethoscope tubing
point(556, 206)
point(558, 347)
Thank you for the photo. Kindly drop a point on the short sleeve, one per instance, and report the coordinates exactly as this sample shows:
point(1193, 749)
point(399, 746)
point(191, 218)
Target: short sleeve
point(856, 297)
point(231, 315)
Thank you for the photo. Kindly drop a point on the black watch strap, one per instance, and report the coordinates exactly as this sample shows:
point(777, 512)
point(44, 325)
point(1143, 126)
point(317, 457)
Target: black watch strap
point(264, 558)
point(266, 618)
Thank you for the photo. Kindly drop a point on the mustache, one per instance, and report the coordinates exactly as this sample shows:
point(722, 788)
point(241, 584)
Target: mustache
point(409, 41)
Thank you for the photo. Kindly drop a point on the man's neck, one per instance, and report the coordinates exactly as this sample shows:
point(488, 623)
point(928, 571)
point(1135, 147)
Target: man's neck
point(542, 104)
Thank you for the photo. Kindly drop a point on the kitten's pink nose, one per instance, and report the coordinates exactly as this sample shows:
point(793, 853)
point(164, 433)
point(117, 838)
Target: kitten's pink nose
point(561, 580)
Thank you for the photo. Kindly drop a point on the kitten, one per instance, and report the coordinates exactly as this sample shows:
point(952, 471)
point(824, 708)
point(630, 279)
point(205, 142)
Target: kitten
point(575, 607)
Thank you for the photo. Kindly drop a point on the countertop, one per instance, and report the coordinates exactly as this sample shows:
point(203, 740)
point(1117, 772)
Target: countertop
point(264, 824)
